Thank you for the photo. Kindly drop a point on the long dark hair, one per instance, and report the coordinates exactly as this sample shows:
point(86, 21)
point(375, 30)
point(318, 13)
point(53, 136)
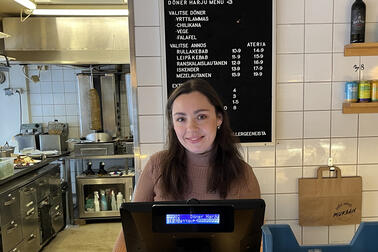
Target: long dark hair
point(226, 164)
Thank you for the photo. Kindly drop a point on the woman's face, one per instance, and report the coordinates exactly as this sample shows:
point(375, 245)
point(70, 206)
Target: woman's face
point(195, 122)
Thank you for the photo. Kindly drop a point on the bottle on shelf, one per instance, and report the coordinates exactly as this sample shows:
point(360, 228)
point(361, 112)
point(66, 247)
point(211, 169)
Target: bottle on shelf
point(89, 170)
point(358, 17)
point(119, 200)
point(104, 203)
point(364, 91)
point(96, 202)
point(102, 171)
point(113, 201)
point(374, 90)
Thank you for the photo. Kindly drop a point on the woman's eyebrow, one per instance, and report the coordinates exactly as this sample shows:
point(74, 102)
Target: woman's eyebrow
point(201, 110)
point(179, 114)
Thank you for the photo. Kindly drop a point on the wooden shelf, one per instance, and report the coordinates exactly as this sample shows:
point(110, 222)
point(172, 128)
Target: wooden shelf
point(361, 49)
point(4, 35)
point(364, 107)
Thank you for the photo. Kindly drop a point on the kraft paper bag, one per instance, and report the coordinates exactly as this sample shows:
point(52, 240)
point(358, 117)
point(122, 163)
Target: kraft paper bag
point(327, 201)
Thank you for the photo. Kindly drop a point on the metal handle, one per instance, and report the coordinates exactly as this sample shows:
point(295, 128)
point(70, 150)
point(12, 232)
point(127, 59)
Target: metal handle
point(13, 227)
point(30, 212)
point(32, 237)
point(30, 203)
point(30, 190)
point(57, 215)
point(10, 202)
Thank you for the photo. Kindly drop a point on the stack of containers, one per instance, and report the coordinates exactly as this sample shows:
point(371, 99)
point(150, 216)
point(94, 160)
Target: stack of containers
point(363, 91)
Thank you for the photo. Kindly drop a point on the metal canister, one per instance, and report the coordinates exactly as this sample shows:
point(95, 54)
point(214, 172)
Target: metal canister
point(351, 91)
point(374, 91)
point(364, 91)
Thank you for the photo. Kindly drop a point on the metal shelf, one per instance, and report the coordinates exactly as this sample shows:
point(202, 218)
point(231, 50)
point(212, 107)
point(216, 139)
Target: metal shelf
point(361, 49)
point(102, 156)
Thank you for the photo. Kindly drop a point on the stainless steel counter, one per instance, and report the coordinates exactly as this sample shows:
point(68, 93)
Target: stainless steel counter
point(23, 171)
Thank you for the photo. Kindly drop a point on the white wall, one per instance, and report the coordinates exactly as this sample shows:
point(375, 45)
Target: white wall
point(310, 126)
point(9, 105)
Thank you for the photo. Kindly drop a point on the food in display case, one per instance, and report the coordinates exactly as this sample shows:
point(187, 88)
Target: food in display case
point(23, 161)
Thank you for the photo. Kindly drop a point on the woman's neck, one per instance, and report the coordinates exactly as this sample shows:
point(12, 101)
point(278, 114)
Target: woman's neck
point(199, 159)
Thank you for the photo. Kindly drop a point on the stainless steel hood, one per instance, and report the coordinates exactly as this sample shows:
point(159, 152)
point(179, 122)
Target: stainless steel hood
point(68, 40)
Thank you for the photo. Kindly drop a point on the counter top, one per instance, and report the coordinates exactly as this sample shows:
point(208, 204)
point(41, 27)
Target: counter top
point(22, 171)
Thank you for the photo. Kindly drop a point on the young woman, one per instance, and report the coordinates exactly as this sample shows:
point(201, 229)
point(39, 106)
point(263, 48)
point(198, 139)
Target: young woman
point(202, 160)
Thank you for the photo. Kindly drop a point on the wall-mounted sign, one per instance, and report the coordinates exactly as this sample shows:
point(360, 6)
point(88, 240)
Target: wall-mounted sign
point(228, 43)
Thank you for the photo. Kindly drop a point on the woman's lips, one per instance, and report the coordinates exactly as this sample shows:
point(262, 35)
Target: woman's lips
point(194, 139)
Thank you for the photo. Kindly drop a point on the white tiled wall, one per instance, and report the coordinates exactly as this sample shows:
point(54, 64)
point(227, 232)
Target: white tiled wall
point(55, 96)
point(310, 127)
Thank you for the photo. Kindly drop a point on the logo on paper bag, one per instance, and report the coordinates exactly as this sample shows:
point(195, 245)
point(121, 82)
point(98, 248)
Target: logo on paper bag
point(345, 208)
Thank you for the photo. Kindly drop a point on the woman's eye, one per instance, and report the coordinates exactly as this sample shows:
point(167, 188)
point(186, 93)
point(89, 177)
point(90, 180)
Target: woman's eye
point(180, 119)
point(201, 117)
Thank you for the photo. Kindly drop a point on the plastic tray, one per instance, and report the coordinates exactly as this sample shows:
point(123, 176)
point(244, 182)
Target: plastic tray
point(6, 167)
point(280, 238)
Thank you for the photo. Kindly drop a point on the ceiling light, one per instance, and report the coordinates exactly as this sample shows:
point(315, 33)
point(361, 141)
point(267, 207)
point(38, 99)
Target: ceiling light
point(81, 12)
point(27, 4)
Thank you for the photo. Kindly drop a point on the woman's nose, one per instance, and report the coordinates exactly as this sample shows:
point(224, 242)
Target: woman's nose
point(192, 124)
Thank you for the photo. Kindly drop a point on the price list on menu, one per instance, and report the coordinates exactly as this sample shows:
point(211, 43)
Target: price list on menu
point(229, 44)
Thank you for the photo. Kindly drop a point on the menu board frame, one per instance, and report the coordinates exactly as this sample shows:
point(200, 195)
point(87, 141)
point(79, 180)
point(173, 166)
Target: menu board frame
point(271, 68)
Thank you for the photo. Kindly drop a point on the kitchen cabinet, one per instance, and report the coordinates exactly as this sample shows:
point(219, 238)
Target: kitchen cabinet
point(31, 210)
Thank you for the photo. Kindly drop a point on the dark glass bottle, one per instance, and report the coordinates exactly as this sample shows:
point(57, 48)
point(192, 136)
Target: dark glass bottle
point(358, 16)
point(89, 170)
point(102, 171)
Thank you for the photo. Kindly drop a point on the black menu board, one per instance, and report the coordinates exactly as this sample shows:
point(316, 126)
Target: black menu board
point(229, 44)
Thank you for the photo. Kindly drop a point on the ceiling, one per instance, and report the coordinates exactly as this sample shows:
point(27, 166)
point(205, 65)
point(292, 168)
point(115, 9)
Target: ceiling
point(10, 8)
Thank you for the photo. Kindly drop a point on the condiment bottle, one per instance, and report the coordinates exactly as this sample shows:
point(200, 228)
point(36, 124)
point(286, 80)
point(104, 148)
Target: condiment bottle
point(364, 91)
point(119, 200)
point(358, 16)
point(102, 171)
point(113, 202)
point(374, 91)
point(104, 203)
point(96, 201)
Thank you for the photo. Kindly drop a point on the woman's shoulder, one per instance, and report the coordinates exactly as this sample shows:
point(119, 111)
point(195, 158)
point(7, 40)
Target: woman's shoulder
point(154, 163)
point(158, 156)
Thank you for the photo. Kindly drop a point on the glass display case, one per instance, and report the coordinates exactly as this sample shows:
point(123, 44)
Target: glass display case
point(101, 197)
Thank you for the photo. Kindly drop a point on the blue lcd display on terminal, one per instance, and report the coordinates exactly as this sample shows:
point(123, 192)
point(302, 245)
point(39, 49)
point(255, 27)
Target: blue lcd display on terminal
point(192, 218)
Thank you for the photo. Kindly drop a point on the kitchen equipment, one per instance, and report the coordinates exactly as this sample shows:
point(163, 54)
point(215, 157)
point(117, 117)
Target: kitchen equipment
point(99, 137)
point(94, 149)
point(56, 137)
point(57, 128)
point(53, 142)
point(29, 136)
point(27, 141)
point(6, 150)
point(107, 87)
